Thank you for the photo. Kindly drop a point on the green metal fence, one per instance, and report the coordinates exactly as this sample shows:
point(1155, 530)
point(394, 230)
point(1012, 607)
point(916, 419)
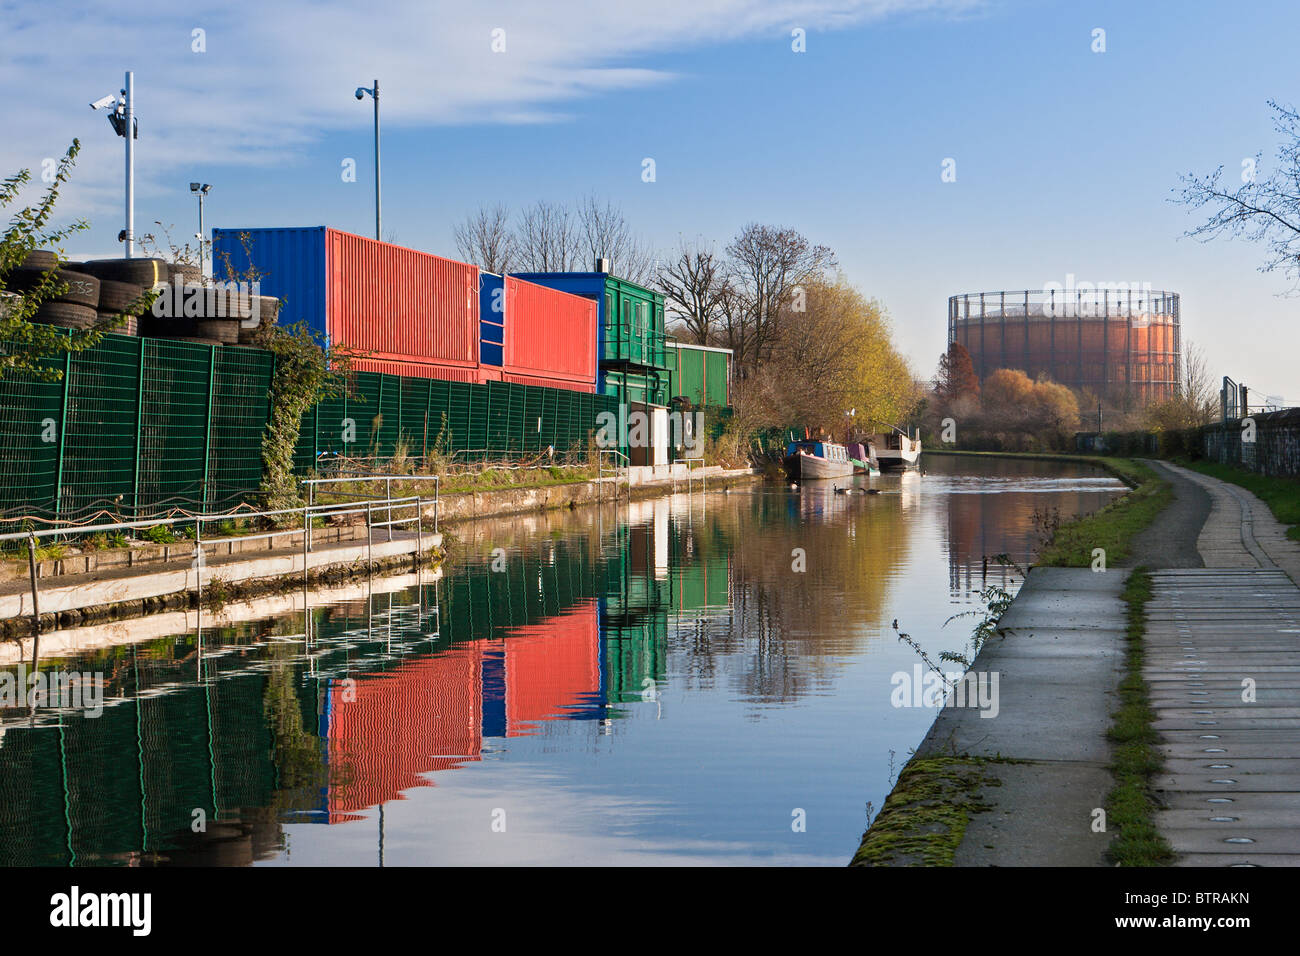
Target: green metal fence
point(137, 425)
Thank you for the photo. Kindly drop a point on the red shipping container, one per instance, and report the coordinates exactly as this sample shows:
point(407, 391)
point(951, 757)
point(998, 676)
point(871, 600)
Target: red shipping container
point(398, 303)
point(449, 373)
point(571, 386)
point(549, 334)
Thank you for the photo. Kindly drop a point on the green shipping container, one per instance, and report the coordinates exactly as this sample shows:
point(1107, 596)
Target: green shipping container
point(701, 375)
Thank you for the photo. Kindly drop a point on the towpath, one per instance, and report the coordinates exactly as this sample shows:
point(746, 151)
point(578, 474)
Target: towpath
point(1224, 619)
point(1223, 665)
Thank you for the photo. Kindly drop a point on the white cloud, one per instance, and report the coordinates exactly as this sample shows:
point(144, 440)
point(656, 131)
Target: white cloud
point(275, 77)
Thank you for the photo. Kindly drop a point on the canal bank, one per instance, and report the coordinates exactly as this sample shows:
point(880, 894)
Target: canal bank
point(119, 583)
point(1086, 719)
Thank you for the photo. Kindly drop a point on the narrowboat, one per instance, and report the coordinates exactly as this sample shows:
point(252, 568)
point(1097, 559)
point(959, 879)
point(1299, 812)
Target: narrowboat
point(863, 457)
point(812, 458)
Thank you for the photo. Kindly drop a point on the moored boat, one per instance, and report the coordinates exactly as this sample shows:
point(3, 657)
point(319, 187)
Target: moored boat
point(812, 459)
point(863, 457)
point(896, 450)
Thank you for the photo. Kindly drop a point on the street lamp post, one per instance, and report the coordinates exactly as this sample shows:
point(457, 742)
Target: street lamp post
point(374, 94)
point(201, 190)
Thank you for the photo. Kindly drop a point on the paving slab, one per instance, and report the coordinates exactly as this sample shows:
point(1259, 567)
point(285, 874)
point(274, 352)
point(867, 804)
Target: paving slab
point(1229, 761)
point(1058, 670)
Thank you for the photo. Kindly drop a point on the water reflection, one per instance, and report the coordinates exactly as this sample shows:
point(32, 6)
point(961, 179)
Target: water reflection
point(628, 661)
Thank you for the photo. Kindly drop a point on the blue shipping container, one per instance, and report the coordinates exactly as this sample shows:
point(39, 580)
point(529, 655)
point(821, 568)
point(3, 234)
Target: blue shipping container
point(492, 318)
point(292, 263)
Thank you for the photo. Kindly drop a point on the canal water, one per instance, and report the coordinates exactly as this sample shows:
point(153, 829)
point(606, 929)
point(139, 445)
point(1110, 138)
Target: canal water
point(695, 679)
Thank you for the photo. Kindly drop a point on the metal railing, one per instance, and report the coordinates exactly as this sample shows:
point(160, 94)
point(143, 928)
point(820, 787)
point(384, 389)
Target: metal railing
point(313, 483)
point(614, 455)
point(690, 474)
point(309, 512)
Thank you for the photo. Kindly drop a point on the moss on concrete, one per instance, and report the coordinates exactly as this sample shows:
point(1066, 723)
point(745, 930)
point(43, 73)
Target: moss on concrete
point(925, 816)
point(1131, 805)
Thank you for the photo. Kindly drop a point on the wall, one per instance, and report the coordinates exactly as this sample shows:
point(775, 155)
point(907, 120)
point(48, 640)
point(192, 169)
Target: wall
point(1275, 451)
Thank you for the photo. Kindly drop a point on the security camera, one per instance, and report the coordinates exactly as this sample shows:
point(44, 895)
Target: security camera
point(361, 92)
point(104, 102)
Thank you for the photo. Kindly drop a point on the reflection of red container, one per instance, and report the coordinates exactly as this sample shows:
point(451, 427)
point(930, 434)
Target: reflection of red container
point(549, 335)
point(552, 668)
point(421, 717)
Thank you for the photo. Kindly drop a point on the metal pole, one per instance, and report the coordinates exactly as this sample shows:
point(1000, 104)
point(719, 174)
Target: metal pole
point(129, 109)
point(207, 435)
point(198, 562)
point(388, 490)
point(419, 536)
point(378, 222)
point(306, 541)
point(200, 231)
point(36, 596)
point(370, 538)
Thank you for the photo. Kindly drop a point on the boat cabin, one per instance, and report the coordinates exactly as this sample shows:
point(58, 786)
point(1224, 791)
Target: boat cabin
point(819, 449)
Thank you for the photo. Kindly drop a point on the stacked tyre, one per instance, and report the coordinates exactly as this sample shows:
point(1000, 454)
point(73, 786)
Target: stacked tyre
point(75, 308)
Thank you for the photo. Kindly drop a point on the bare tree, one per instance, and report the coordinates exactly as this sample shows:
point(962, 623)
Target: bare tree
point(1197, 386)
point(694, 285)
point(484, 239)
point(547, 239)
point(769, 264)
point(1261, 210)
point(605, 232)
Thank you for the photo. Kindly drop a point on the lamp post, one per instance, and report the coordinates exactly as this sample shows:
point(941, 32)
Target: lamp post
point(122, 118)
point(374, 94)
point(200, 190)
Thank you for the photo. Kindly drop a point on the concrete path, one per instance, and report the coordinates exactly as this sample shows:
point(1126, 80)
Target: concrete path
point(1223, 665)
point(1170, 541)
point(1058, 670)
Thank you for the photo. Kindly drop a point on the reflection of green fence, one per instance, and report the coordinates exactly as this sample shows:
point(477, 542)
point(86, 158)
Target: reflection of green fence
point(137, 425)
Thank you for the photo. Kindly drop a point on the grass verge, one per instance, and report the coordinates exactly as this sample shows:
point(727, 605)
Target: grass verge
point(1130, 806)
point(1282, 495)
point(1113, 527)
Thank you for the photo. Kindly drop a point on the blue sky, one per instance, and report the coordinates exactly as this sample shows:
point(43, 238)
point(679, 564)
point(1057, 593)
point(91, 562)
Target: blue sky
point(1065, 158)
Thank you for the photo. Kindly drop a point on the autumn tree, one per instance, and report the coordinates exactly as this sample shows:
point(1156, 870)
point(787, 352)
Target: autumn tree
point(838, 356)
point(956, 377)
point(1023, 412)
